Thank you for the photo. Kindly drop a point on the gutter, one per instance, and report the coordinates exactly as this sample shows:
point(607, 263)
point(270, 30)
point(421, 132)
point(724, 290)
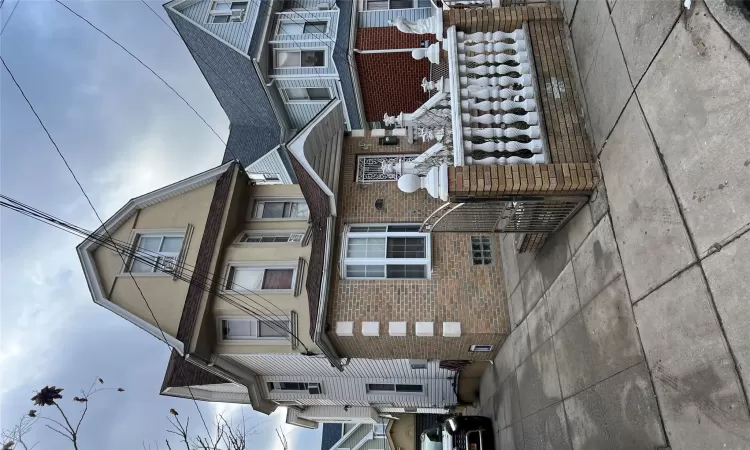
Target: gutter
point(320, 338)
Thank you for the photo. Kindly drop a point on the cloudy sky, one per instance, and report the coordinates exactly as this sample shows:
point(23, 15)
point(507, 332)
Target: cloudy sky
point(124, 133)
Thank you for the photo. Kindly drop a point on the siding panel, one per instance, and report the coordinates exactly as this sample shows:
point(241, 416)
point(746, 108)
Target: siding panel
point(370, 19)
point(301, 113)
point(271, 163)
point(237, 34)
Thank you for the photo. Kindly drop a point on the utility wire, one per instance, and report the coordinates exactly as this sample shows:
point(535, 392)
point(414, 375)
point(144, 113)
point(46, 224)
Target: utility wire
point(146, 66)
point(10, 16)
point(127, 245)
point(141, 255)
point(83, 191)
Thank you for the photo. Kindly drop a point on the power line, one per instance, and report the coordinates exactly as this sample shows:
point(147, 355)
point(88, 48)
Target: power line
point(141, 255)
point(10, 16)
point(83, 191)
point(147, 67)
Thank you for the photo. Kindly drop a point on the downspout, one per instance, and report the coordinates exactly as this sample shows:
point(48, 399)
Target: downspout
point(320, 338)
point(353, 68)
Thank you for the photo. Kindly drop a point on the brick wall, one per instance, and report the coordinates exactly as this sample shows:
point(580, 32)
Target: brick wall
point(390, 82)
point(457, 292)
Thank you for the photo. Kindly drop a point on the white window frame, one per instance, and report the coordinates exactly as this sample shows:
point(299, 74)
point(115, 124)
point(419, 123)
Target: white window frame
point(298, 236)
point(260, 265)
point(286, 98)
point(212, 13)
point(300, 50)
point(253, 212)
point(281, 22)
point(277, 390)
point(481, 348)
point(253, 339)
point(265, 178)
point(346, 261)
point(369, 391)
point(136, 235)
point(364, 3)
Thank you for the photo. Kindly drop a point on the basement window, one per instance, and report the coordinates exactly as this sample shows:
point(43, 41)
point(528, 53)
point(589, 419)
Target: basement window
point(481, 348)
point(481, 251)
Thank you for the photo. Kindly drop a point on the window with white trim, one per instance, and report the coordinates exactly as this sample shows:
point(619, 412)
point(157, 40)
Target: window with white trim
point(156, 253)
point(285, 59)
point(396, 251)
point(252, 237)
point(388, 388)
point(248, 329)
point(294, 386)
point(265, 178)
point(370, 167)
point(375, 5)
point(227, 12)
point(306, 94)
point(296, 28)
point(280, 209)
point(250, 278)
point(481, 348)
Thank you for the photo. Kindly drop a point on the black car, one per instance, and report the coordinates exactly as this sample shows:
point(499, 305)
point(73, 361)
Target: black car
point(460, 433)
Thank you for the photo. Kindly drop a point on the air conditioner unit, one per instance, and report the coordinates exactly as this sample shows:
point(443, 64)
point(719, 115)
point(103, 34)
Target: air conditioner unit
point(324, 6)
point(313, 389)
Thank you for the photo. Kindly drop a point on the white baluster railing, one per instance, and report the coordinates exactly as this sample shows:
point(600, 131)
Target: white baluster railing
point(493, 103)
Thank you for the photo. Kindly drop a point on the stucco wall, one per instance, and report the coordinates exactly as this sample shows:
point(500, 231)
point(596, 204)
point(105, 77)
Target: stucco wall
point(165, 295)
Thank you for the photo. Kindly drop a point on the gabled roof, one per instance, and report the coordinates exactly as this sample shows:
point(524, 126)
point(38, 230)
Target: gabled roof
point(235, 81)
point(86, 248)
point(316, 160)
point(183, 373)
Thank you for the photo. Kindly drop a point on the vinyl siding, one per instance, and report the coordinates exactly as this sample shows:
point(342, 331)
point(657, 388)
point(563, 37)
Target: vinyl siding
point(424, 4)
point(358, 435)
point(237, 34)
point(311, 41)
point(301, 113)
point(271, 163)
point(381, 18)
point(348, 387)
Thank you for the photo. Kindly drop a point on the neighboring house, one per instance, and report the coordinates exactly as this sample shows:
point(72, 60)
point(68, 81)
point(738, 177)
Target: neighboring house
point(397, 432)
point(273, 65)
point(233, 273)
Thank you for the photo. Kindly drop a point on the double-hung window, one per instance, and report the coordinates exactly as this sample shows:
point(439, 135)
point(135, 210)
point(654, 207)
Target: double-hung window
point(309, 94)
point(249, 237)
point(286, 59)
point(388, 388)
point(246, 329)
point(280, 209)
point(293, 386)
point(227, 11)
point(156, 253)
point(397, 251)
point(244, 279)
point(374, 5)
point(296, 28)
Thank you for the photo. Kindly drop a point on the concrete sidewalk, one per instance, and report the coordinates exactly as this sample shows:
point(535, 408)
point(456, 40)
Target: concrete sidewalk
point(631, 327)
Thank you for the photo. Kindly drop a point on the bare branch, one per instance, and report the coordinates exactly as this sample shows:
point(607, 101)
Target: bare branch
point(59, 432)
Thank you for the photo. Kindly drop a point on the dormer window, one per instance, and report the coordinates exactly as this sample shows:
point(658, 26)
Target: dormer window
point(227, 12)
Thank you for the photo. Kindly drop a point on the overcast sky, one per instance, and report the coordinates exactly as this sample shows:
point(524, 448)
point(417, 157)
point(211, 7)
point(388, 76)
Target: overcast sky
point(124, 133)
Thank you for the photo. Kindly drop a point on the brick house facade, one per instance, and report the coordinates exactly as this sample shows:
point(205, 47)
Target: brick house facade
point(457, 291)
point(390, 82)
